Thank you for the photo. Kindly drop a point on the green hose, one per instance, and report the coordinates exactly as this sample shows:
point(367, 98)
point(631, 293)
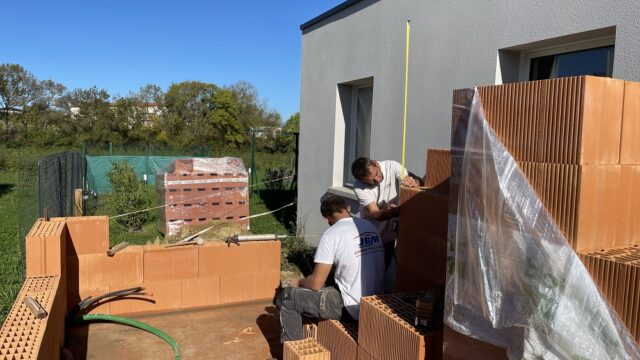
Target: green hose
point(137, 324)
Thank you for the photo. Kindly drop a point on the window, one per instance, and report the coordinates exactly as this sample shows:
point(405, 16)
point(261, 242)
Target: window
point(357, 128)
point(597, 62)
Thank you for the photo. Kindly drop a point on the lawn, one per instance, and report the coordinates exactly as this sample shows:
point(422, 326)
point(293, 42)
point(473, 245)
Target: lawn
point(10, 255)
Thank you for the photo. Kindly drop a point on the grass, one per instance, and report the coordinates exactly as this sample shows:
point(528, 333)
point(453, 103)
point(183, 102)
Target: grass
point(10, 257)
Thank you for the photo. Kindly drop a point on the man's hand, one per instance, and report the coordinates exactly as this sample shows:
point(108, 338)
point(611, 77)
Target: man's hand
point(294, 282)
point(410, 182)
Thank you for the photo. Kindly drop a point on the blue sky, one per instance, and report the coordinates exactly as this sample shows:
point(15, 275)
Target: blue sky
point(122, 45)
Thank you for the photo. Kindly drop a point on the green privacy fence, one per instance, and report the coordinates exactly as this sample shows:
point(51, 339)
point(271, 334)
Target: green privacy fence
point(99, 166)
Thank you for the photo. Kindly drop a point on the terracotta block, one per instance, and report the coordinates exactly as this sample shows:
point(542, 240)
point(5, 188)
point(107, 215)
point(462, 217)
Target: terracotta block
point(426, 210)
point(339, 338)
point(270, 256)
point(244, 286)
point(457, 346)
point(616, 272)
point(92, 271)
point(162, 264)
point(421, 261)
point(310, 331)
point(166, 296)
point(87, 235)
point(438, 169)
point(400, 339)
point(630, 147)
point(574, 120)
point(305, 349)
point(629, 211)
point(213, 259)
point(45, 248)
point(199, 292)
point(363, 355)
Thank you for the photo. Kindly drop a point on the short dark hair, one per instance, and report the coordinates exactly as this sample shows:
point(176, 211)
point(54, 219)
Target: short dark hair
point(360, 167)
point(332, 204)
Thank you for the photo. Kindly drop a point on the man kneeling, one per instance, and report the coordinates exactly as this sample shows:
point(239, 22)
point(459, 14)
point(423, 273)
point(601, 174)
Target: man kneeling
point(353, 246)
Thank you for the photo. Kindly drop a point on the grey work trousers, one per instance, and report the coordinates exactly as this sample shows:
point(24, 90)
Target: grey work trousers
point(325, 303)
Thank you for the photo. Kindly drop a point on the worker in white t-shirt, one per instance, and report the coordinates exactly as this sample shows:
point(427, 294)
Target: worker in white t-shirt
point(352, 246)
point(377, 188)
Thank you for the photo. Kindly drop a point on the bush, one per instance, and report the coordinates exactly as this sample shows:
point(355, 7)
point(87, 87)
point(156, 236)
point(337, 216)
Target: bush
point(128, 195)
point(277, 178)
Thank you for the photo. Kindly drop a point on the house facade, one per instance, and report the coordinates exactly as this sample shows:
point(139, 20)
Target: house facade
point(353, 69)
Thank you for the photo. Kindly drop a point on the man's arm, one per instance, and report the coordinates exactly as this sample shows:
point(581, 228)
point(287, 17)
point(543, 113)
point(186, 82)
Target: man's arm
point(316, 280)
point(373, 212)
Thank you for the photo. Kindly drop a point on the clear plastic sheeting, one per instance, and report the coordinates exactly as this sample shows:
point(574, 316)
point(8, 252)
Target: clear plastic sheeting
point(221, 166)
point(513, 280)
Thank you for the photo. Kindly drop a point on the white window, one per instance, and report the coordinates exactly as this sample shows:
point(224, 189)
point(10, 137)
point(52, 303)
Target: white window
point(358, 128)
point(595, 61)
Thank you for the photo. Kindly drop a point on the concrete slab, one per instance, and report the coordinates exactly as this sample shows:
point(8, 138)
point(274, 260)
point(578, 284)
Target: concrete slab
point(245, 331)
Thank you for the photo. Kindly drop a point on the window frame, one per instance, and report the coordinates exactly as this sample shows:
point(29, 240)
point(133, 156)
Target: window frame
point(350, 143)
point(527, 56)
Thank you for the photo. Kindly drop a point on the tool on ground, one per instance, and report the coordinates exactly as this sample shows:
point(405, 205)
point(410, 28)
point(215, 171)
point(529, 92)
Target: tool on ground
point(34, 306)
point(117, 248)
point(236, 239)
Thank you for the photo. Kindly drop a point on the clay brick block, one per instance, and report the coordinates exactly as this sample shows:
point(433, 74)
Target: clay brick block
point(438, 169)
point(400, 339)
point(305, 349)
point(630, 147)
point(363, 355)
point(162, 264)
point(575, 120)
point(87, 235)
point(339, 338)
point(240, 287)
point(92, 271)
point(310, 331)
point(457, 346)
point(616, 272)
point(213, 259)
point(629, 211)
point(199, 292)
point(426, 210)
point(421, 261)
point(45, 249)
point(166, 296)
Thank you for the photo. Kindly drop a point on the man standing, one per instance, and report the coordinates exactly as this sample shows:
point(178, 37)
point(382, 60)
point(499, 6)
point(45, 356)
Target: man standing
point(377, 188)
point(353, 247)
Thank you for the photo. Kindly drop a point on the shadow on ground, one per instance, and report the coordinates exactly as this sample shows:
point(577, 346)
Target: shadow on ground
point(275, 199)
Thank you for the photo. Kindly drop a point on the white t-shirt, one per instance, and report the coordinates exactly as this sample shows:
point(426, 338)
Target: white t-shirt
point(354, 247)
point(383, 194)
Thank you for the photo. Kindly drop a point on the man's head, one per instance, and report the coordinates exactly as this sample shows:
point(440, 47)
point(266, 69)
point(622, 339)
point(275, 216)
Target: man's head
point(367, 170)
point(334, 208)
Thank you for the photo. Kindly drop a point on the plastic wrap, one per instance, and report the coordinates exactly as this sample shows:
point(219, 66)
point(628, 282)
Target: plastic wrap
point(513, 280)
point(197, 191)
point(223, 165)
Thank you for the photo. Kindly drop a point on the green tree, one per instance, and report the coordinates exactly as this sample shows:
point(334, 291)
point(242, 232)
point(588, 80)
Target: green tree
point(18, 87)
point(285, 140)
point(128, 196)
point(90, 118)
point(224, 117)
point(188, 103)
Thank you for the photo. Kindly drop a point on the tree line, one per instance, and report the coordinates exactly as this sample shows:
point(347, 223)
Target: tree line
point(46, 113)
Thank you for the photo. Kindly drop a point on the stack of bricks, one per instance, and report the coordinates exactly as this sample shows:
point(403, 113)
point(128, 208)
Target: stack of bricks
point(22, 335)
point(617, 273)
point(575, 141)
point(305, 349)
point(198, 191)
point(310, 330)
point(386, 329)
point(340, 338)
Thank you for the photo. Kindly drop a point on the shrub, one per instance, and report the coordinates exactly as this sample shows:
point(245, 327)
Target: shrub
point(128, 195)
point(277, 178)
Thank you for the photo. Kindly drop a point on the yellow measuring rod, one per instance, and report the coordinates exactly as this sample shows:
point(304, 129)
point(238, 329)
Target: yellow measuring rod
point(406, 82)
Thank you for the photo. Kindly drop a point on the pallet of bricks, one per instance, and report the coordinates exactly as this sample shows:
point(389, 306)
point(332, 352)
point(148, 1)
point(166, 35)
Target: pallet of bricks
point(575, 140)
point(195, 191)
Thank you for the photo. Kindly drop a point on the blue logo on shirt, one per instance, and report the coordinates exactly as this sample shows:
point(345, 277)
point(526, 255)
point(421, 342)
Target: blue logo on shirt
point(368, 239)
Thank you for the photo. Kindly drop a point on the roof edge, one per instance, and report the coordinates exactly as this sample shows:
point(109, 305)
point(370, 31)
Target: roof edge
point(328, 13)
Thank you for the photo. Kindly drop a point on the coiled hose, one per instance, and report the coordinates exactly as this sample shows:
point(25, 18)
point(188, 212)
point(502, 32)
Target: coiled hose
point(134, 323)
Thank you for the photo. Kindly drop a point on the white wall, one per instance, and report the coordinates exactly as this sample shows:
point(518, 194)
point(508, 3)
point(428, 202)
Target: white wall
point(454, 44)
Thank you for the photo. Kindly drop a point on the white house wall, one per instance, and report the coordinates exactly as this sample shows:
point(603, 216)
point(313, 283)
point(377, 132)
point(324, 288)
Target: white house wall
point(454, 44)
